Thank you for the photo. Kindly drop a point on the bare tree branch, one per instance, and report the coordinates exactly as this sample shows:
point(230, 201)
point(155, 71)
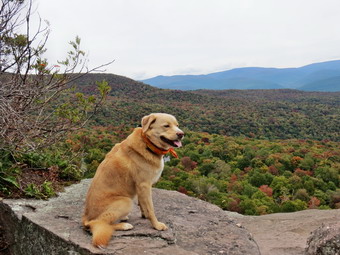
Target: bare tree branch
point(37, 104)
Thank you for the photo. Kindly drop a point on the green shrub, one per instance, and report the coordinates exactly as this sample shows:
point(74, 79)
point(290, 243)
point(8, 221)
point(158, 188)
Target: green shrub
point(293, 206)
point(328, 174)
point(43, 191)
point(258, 179)
point(164, 184)
point(302, 194)
point(248, 207)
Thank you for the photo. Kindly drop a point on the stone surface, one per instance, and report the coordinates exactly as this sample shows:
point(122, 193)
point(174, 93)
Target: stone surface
point(325, 240)
point(286, 233)
point(54, 227)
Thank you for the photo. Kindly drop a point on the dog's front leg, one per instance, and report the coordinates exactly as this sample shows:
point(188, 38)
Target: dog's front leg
point(145, 202)
point(141, 210)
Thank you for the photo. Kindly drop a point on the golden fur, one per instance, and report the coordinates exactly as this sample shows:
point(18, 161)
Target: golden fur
point(129, 169)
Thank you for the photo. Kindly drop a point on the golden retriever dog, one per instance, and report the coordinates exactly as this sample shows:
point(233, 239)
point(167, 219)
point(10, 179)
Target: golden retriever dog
point(130, 169)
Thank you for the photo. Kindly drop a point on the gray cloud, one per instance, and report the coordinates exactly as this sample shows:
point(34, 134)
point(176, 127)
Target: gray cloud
point(153, 37)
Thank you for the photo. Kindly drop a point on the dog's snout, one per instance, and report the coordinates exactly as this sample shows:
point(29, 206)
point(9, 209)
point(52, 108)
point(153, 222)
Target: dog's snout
point(180, 134)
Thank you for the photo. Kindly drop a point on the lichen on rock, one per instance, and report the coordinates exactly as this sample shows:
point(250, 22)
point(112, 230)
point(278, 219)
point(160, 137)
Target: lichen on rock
point(325, 240)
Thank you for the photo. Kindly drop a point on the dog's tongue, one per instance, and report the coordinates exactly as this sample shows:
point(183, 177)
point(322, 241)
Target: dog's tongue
point(178, 143)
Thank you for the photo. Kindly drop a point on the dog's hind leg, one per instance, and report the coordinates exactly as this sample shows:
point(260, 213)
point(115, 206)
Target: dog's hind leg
point(103, 226)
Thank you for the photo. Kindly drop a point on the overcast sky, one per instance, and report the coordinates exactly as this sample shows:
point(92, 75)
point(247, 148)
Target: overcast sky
point(147, 38)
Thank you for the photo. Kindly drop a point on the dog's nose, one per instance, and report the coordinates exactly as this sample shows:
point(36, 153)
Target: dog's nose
point(180, 135)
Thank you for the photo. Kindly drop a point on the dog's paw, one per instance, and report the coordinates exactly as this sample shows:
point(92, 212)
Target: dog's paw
point(160, 226)
point(123, 226)
point(126, 226)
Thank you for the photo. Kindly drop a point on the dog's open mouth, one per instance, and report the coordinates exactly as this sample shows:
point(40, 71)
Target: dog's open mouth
point(173, 143)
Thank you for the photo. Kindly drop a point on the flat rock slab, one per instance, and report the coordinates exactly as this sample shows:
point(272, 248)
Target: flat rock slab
point(287, 233)
point(54, 227)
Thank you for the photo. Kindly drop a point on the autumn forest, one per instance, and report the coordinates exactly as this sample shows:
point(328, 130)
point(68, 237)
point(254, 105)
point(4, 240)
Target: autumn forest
point(253, 152)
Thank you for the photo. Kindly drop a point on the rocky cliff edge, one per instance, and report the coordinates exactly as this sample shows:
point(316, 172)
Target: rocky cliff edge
point(54, 227)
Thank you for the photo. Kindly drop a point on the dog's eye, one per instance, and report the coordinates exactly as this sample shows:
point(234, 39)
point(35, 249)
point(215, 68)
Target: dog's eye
point(166, 126)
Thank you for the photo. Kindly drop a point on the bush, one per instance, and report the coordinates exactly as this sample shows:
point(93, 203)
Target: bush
point(280, 186)
point(71, 172)
point(322, 196)
point(313, 203)
point(233, 205)
point(302, 194)
point(307, 163)
point(293, 206)
point(328, 174)
point(164, 184)
point(258, 179)
point(267, 190)
point(188, 164)
point(94, 154)
point(335, 199)
point(217, 198)
point(206, 168)
point(43, 191)
point(248, 189)
point(248, 207)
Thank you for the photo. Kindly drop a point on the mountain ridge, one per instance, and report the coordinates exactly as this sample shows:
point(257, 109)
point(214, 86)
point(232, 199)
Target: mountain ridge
point(273, 114)
point(308, 78)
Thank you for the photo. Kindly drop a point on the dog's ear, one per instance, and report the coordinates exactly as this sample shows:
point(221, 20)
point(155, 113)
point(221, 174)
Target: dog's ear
point(147, 121)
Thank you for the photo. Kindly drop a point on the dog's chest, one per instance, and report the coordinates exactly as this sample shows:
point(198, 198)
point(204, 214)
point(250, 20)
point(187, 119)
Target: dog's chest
point(158, 172)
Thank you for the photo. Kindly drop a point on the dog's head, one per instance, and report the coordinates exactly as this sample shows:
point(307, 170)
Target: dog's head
point(162, 130)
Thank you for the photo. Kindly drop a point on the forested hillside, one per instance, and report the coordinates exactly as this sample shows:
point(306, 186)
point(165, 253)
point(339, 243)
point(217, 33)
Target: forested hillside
point(246, 175)
point(250, 151)
point(255, 177)
point(254, 152)
point(270, 114)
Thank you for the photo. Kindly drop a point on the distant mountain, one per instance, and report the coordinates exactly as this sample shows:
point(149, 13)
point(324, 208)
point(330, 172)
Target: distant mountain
point(323, 76)
point(330, 84)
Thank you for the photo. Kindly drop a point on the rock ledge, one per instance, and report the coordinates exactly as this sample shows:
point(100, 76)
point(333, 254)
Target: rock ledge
point(53, 227)
point(325, 240)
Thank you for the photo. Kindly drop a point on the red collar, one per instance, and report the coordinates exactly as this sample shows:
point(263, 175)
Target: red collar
point(157, 150)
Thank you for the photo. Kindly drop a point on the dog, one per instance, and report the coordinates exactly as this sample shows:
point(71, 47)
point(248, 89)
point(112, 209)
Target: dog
point(129, 170)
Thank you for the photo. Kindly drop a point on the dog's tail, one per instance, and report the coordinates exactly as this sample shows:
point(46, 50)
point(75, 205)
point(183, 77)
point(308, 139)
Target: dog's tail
point(101, 232)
